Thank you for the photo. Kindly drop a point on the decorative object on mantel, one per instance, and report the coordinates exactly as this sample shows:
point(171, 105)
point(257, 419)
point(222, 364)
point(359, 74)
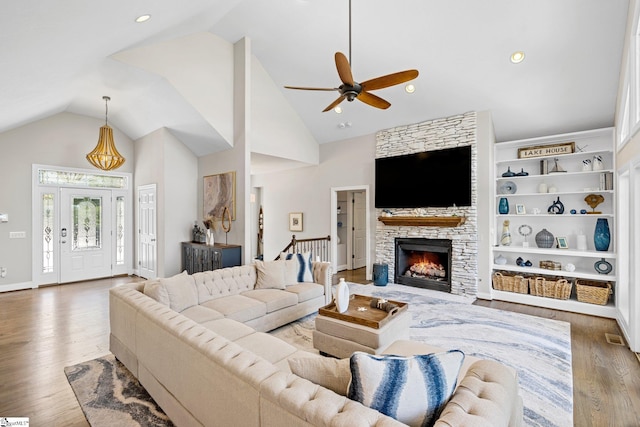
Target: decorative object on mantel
point(593, 200)
point(505, 237)
point(603, 267)
point(425, 221)
point(503, 206)
point(556, 167)
point(508, 187)
point(602, 235)
point(508, 173)
point(556, 207)
point(544, 239)
point(105, 156)
point(420, 212)
point(525, 231)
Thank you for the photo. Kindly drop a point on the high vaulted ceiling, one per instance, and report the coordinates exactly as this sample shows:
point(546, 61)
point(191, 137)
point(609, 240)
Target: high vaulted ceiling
point(56, 56)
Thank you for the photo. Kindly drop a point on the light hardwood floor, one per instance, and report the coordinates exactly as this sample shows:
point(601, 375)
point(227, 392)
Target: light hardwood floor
point(43, 330)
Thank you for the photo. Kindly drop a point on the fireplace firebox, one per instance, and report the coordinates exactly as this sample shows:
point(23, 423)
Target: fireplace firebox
point(423, 263)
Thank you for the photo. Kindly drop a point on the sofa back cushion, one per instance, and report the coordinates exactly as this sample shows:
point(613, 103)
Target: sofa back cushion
point(224, 282)
point(153, 289)
point(181, 290)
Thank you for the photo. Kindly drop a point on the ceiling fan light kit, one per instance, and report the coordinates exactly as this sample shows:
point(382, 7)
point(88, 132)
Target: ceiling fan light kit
point(350, 89)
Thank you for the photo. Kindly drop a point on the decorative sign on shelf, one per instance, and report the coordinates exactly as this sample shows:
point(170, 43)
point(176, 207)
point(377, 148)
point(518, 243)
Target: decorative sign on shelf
point(546, 150)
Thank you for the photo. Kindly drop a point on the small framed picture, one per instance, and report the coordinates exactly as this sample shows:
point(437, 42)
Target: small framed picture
point(295, 221)
point(520, 210)
point(562, 243)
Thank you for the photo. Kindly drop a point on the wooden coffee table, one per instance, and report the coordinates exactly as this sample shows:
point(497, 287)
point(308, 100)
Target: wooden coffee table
point(370, 330)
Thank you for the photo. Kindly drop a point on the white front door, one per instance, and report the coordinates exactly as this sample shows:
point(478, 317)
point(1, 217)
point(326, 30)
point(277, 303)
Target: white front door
point(359, 230)
point(147, 240)
point(85, 234)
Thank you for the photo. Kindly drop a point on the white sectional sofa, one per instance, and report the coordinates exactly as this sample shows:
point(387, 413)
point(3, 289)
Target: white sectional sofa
point(222, 371)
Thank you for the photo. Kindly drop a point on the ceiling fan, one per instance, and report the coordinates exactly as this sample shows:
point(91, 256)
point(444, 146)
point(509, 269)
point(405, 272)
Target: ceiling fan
point(350, 89)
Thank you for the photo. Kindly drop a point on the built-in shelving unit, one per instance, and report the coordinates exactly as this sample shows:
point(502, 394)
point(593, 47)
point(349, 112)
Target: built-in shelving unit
point(529, 204)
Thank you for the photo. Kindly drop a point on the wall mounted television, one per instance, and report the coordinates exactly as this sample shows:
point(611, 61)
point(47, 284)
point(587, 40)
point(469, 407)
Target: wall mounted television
point(438, 178)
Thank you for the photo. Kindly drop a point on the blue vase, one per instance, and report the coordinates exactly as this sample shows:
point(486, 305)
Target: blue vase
point(503, 206)
point(602, 235)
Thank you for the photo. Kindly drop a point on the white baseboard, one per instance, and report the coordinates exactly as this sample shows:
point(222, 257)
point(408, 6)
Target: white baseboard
point(484, 295)
point(17, 286)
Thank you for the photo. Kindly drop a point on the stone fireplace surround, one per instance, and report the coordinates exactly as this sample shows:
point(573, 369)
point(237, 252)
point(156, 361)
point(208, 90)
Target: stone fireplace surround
point(435, 135)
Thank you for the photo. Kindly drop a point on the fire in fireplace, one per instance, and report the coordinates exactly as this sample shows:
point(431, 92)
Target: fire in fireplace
point(423, 263)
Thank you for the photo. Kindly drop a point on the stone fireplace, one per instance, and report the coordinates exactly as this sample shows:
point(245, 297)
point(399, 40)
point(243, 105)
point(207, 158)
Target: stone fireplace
point(423, 263)
point(462, 262)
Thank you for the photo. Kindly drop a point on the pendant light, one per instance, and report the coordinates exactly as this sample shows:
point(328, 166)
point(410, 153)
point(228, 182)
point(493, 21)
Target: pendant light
point(105, 156)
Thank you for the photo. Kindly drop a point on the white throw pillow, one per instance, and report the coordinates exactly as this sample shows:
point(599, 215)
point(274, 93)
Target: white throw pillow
point(305, 269)
point(182, 291)
point(413, 390)
point(271, 275)
point(327, 372)
point(155, 290)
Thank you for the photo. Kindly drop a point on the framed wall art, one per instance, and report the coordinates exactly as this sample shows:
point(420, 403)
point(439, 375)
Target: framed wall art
point(295, 221)
point(219, 193)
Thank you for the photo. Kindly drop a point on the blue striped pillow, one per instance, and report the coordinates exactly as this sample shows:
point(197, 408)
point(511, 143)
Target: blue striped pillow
point(304, 272)
point(413, 390)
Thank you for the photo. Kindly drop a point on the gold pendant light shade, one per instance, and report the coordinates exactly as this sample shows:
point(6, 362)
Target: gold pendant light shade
point(105, 156)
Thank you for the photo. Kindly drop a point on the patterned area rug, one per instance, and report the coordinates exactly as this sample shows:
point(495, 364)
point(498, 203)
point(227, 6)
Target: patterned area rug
point(539, 349)
point(110, 395)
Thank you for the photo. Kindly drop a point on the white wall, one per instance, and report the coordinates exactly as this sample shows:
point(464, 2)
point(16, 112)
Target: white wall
point(60, 140)
point(163, 160)
point(308, 190)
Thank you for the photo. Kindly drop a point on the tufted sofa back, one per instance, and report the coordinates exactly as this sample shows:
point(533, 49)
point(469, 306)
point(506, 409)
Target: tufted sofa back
point(224, 282)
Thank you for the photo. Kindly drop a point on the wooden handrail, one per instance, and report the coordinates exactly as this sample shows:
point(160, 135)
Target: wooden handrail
point(318, 246)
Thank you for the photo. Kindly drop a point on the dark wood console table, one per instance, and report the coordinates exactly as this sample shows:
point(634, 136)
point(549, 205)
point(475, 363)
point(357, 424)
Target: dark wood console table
point(198, 257)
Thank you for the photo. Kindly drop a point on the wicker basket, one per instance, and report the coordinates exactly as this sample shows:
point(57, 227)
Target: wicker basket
point(550, 287)
point(593, 291)
point(510, 283)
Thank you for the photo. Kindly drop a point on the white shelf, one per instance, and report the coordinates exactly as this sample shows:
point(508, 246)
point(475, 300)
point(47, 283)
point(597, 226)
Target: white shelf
point(572, 305)
point(554, 251)
point(572, 185)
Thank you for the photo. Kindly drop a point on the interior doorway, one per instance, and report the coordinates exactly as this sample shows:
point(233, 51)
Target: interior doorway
point(350, 236)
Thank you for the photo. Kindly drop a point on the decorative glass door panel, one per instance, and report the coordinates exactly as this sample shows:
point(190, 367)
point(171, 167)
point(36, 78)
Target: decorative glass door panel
point(85, 234)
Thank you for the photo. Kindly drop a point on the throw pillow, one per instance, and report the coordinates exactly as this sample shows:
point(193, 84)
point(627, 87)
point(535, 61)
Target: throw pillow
point(155, 290)
point(270, 275)
point(291, 271)
point(327, 372)
point(305, 271)
point(413, 390)
point(181, 290)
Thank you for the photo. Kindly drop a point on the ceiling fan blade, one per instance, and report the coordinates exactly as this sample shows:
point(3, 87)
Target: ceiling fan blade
point(333, 104)
point(311, 88)
point(389, 80)
point(373, 100)
point(344, 69)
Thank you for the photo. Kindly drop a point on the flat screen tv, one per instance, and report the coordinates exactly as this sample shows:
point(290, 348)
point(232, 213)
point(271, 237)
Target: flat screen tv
point(439, 178)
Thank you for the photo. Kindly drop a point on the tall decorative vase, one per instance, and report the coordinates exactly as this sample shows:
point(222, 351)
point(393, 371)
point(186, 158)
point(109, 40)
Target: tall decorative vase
point(505, 237)
point(503, 206)
point(602, 235)
point(342, 296)
point(210, 240)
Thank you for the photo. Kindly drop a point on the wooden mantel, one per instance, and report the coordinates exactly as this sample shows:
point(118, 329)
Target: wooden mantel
point(424, 221)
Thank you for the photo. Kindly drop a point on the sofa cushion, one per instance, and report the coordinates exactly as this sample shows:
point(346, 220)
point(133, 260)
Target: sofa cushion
point(238, 307)
point(224, 282)
point(305, 271)
point(306, 291)
point(413, 390)
point(201, 314)
point(230, 329)
point(181, 290)
point(266, 346)
point(328, 372)
point(271, 275)
point(155, 290)
point(275, 299)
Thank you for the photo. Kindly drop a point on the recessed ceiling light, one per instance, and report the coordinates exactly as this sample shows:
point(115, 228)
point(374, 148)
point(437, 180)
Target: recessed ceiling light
point(410, 88)
point(338, 110)
point(517, 57)
point(143, 18)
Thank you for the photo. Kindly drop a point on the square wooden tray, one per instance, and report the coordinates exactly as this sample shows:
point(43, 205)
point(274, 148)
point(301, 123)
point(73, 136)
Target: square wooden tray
point(371, 317)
